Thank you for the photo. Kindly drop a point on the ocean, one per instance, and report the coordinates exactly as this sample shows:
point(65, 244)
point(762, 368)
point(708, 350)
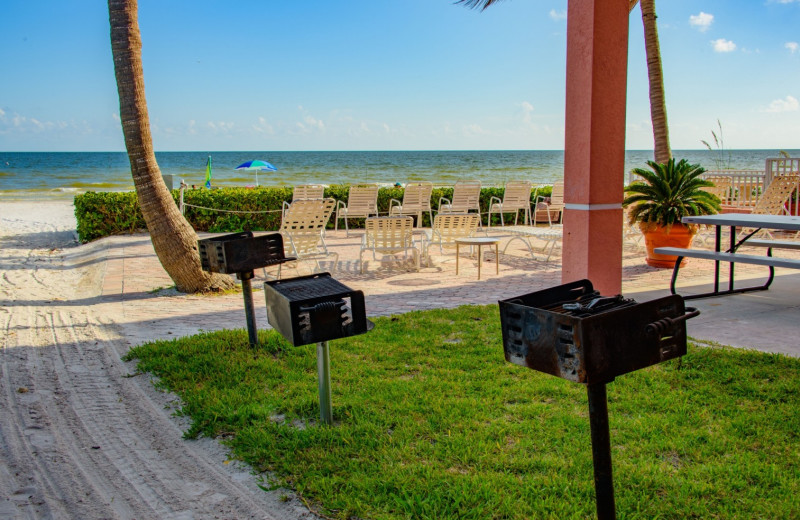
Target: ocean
point(61, 175)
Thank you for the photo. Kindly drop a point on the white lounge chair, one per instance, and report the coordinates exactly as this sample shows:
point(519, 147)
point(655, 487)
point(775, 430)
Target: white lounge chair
point(303, 227)
point(516, 197)
point(550, 211)
point(466, 198)
point(416, 201)
point(362, 202)
point(305, 192)
point(448, 227)
point(389, 235)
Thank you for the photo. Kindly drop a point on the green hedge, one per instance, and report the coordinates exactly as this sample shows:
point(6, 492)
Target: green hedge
point(101, 214)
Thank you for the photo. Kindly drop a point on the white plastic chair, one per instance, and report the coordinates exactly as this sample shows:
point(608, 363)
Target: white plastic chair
point(516, 197)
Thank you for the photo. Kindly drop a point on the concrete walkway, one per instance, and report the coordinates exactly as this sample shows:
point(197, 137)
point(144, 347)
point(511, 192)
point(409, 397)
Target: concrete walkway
point(134, 279)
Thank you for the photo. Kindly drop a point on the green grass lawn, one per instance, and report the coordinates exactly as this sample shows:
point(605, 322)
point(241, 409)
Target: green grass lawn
point(431, 422)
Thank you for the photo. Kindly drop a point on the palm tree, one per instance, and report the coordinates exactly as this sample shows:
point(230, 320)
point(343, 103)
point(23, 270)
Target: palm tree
point(174, 240)
point(658, 107)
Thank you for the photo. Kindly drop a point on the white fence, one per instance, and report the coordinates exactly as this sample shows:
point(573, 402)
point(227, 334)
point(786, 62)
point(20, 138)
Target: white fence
point(744, 187)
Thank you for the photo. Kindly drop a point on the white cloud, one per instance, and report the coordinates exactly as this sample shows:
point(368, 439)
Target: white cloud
point(723, 45)
point(314, 123)
point(788, 104)
point(263, 127)
point(527, 110)
point(792, 46)
point(473, 130)
point(702, 21)
point(558, 15)
point(222, 127)
point(2, 115)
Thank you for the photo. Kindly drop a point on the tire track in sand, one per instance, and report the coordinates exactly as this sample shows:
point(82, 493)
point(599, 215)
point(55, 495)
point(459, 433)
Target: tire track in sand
point(79, 439)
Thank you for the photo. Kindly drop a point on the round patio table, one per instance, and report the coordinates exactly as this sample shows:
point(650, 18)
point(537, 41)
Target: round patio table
point(480, 242)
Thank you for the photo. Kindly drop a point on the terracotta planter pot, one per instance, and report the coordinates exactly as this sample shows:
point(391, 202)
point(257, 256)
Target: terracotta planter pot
point(679, 235)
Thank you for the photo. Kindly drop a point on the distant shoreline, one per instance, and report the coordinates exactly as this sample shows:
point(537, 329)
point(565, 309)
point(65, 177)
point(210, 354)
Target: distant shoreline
point(61, 175)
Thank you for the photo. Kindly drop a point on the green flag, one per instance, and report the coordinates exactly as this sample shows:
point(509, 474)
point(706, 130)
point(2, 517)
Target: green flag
point(208, 173)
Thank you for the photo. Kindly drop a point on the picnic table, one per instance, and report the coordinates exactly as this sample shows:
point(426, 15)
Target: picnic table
point(734, 221)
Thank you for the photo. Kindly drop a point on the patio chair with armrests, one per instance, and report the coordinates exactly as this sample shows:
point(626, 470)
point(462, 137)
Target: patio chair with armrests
point(362, 202)
point(550, 211)
point(449, 227)
point(416, 201)
point(466, 198)
point(387, 236)
point(303, 227)
point(516, 197)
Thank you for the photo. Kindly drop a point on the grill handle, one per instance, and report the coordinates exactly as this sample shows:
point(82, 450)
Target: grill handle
point(658, 328)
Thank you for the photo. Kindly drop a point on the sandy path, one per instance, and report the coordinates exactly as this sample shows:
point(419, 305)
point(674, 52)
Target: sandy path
point(79, 438)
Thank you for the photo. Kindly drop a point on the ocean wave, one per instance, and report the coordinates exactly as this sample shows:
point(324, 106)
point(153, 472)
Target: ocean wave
point(95, 185)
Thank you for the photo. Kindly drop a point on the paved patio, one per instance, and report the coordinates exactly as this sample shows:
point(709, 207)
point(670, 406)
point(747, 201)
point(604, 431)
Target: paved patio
point(134, 279)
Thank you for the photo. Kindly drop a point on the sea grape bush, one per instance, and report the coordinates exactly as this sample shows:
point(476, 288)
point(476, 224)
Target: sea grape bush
point(101, 214)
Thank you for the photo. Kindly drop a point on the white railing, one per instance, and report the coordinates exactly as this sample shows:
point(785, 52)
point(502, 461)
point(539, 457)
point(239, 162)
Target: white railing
point(746, 187)
point(782, 166)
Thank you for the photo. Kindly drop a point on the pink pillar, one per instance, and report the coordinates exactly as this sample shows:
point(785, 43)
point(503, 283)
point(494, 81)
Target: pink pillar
point(594, 156)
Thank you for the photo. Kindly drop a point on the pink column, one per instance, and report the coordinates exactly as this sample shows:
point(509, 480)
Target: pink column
point(594, 157)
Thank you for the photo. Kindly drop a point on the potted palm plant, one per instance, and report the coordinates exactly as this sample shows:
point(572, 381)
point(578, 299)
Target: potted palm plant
point(666, 193)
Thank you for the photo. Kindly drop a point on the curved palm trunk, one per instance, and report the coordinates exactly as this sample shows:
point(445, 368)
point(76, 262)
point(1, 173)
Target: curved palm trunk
point(174, 240)
point(658, 105)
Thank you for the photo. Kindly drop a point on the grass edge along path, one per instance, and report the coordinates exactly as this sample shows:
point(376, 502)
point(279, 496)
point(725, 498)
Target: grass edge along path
point(431, 422)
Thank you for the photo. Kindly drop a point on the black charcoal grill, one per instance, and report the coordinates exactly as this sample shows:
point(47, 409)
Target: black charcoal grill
point(241, 254)
point(573, 332)
point(316, 309)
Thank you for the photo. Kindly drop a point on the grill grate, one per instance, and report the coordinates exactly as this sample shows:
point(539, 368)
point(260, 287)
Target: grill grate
point(318, 286)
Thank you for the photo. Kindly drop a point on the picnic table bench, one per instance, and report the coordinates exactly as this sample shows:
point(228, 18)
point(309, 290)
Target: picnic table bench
point(732, 256)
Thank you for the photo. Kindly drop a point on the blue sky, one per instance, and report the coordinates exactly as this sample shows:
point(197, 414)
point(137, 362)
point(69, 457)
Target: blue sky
point(384, 75)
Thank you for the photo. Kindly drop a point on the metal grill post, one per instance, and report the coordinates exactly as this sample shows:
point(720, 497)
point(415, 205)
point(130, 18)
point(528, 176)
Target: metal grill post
point(249, 310)
point(324, 373)
point(601, 451)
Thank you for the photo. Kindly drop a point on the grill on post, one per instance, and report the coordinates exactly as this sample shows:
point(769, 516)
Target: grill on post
point(315, 309)
point(241, 254)
point(573, 332)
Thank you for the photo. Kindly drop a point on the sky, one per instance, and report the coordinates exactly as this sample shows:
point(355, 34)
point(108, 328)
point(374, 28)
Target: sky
point(385, 75)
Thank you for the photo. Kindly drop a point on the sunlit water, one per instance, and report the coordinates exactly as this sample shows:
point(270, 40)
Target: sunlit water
point(61, 175)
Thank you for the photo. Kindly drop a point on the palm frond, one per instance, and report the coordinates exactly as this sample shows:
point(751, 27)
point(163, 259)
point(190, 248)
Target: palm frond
point(475, 4)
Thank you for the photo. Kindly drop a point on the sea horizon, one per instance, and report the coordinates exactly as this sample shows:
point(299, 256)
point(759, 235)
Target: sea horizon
point(62, 175)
